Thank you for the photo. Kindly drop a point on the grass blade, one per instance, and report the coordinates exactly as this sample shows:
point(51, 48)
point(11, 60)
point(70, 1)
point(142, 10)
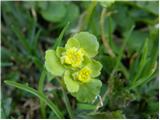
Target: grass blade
point(145, 79)
point(36, 38)
point(67, 103)
point(21, 38)
point(40, 89)
point(143, 61)
point(59, 40)
point(41, 96)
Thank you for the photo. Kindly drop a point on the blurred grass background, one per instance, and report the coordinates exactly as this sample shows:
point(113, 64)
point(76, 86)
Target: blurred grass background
point(129, 57)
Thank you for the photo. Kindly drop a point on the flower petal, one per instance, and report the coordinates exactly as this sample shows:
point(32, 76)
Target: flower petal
point(52, 63)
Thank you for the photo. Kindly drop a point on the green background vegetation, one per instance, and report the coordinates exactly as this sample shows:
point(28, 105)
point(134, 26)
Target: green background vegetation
point(128, 36)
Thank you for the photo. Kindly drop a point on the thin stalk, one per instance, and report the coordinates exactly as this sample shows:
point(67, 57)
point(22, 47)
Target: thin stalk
point(67, 103)
point(87, 15)
point(66, 100)
point(104, 40)
point(40, 89)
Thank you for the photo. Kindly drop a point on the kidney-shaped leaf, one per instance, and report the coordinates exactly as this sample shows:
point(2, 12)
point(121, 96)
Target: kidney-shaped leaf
point(88, 91)
point(88, 42)
point(54, 12)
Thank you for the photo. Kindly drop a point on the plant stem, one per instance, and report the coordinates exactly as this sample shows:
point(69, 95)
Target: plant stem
point(87, 16)
point(40, 89)
point(104, 40)
point(66, 100)
point(67, 103)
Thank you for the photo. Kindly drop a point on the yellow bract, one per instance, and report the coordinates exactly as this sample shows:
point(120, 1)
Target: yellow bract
point(84, 75)
point(73, 57)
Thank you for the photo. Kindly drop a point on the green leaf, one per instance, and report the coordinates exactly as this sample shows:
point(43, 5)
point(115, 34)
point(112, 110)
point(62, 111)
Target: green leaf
point(52, 63)
point(122, 12)
point(42, 4)
point(95, 67)
point(72, 13)
point(54, 12)
point(148, 6)
point(88, 91)
point(72, 85)
point(88, 42)
point(41, 96)
point(72, 42)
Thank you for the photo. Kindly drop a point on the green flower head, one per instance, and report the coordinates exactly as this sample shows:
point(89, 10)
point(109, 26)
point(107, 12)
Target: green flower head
point(76, 65)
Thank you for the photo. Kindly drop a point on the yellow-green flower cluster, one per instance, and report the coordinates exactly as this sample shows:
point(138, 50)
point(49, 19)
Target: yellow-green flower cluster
point(75, 63)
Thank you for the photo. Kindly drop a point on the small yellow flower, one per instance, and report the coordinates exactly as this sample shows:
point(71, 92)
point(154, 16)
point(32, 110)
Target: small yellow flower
point(73, 57)
point(84, 75)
